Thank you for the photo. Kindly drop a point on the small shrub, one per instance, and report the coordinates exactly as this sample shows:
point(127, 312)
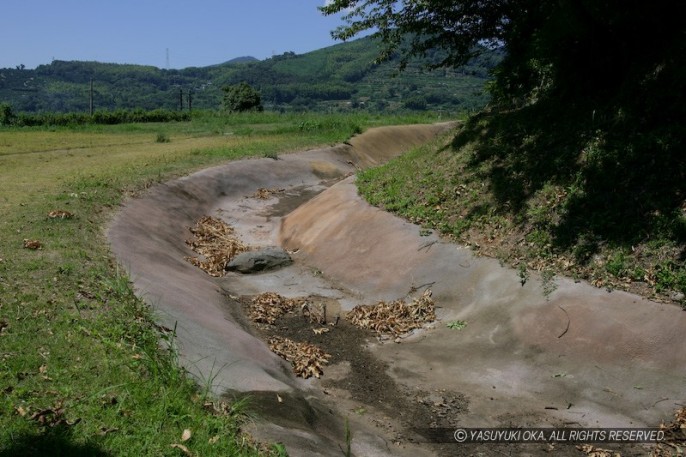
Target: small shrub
point(162, 138)
point(456, 325)
point(6, 114)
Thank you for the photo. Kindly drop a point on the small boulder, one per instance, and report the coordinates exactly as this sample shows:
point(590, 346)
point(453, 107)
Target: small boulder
point(261, 260)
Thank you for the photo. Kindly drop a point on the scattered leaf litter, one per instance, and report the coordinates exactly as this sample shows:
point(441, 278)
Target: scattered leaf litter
point(216, 242)
point(395, 318)
point(265, 194)
point(675, 437)
point(307, 359)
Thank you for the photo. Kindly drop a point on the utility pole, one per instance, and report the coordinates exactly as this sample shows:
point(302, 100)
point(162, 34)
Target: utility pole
point(180, 99)
point(190, 100)
point(90, 99)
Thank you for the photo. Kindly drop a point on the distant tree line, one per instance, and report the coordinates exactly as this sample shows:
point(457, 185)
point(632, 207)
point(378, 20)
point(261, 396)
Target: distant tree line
point(9, 118)
point(331, 79)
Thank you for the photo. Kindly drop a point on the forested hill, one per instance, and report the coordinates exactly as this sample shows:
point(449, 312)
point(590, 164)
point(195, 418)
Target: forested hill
point(339, 77)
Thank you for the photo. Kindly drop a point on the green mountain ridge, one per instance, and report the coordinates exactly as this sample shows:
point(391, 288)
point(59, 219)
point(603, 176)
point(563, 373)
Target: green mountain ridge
point(339, 77)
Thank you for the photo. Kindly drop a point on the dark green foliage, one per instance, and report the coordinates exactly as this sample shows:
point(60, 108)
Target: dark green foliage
point(241, 97)
point(450, 32)
point(569, 50)
point(99, 117)
point(6, 114)
point(416, 102)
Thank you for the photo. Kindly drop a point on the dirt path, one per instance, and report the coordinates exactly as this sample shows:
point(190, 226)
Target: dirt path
point(580, 357)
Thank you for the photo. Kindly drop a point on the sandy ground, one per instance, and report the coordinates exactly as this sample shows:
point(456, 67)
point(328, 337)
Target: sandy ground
point(578, 357)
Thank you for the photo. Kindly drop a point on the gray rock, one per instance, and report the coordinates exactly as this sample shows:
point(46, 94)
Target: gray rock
point(255, 261)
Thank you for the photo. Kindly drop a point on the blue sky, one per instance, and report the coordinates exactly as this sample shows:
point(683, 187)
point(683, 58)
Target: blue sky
point(197, 32)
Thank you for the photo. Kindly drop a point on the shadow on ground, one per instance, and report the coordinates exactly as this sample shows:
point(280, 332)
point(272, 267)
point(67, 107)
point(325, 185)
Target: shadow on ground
point(56, 442)
point(624, 181)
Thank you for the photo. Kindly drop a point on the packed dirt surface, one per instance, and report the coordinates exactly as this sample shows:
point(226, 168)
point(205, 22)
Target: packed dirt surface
point(498, 354)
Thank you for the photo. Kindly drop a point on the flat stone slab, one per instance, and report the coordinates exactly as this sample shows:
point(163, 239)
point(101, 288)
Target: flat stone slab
point(269, 258)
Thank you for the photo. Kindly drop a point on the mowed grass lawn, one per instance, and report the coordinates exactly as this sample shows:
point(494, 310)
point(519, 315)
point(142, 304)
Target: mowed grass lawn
point(81, 369)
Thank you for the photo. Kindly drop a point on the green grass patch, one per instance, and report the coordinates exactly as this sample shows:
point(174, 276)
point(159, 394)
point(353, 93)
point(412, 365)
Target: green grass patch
point(82, 370)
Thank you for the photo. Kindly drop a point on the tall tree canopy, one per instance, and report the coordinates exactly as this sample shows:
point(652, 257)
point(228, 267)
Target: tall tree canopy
point(564, 47)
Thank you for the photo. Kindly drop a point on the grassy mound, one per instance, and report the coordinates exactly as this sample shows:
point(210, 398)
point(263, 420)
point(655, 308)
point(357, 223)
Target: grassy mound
point(593, 194)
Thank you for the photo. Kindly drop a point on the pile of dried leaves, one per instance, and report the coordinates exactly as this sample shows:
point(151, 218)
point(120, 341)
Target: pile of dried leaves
point(32, 244)
point(395, 318)
point(307, 359)
point(675, 437)
point(216, 242)
point(266, 308)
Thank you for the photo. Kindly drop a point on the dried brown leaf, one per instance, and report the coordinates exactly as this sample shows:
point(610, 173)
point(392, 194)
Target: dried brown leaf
point(60, 214)
point(307, 360)
point(395, 318)
point(32, 244)
point(53, 417)
point(267, 307)
point(183, 449)
point(186, 435)
point(675, 437)
point(216, 242)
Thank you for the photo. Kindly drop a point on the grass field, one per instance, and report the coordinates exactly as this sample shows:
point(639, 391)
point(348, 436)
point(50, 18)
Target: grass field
point(81, 369)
